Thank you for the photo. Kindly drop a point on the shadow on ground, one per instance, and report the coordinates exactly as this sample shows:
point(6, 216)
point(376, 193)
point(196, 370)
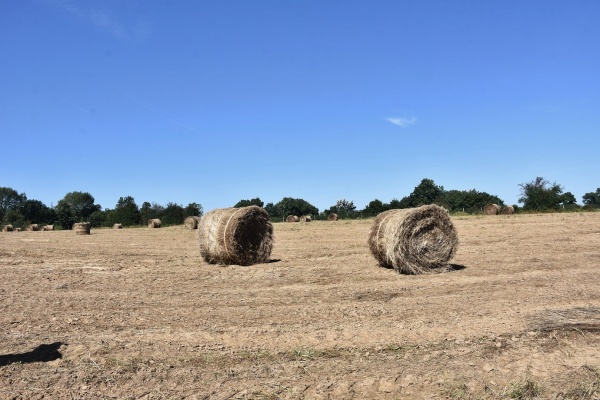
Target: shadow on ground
point(42, 353)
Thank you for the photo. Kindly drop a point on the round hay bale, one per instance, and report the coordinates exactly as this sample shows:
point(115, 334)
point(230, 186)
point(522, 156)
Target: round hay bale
point(32, 227)
point(415, 240)
point(82, 228)
point(17, 230)
point(491, 209)
point(242, 236)
point(305, 218)
point(7, 228)
point(292, 218)
point(191, 222)
point(154, 223)
point(48, 228)
point(332, 217)
point(118, 226)
point(507, 210)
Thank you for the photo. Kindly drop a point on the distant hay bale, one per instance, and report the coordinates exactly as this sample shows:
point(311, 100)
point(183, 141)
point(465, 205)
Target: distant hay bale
point(32, 227)
point(82, 228)
point(414, 241)
point(17, 230)
point(507, 210)
point(292, 218)
point(242, 236)
point(305, 218)
point(491, 209)
point(154, 223)
point(332, 217)
point(118, 226)
point(48, 228)
point(7, 228)
point(191, 222)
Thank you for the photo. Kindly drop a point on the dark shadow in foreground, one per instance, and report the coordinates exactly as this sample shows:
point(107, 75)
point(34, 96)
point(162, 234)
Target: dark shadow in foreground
point(455, 267)
point(273, 260)
point(42, 353)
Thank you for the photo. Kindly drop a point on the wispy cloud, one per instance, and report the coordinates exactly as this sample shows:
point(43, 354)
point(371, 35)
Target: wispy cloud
point(401, 121)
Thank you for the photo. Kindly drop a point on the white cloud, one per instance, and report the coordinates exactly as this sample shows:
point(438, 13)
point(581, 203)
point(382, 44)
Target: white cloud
point(402, 122)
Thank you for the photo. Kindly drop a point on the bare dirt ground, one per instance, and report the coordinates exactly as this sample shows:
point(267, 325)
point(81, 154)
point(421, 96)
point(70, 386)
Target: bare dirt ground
point(136, 313)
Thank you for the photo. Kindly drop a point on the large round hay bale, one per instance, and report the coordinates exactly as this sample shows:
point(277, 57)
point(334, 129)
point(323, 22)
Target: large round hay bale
point(507, 210)
point(82, 228)
point(491, 209)
point(191, 222)
point(415, 240)
point(292, 218)
point(332, 217)
point(154, 223)
point(242, 236)
point(7, 228)
point(48, 228)
point(305, 218)
point(32, 227)
point(118, 226)
point(17, 230)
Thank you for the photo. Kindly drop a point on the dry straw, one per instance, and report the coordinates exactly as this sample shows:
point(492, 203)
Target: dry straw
point(332, 217)
point(154, 223)
point(32, 227)
point(305, 218)
point(118, 226)
point(414, 241)
point(191, 222)
point(491, 209)
point(242, 236)
point(82, 228)
point(292, 218)
point(7, 228)
point(507, 210)
point(48, 227)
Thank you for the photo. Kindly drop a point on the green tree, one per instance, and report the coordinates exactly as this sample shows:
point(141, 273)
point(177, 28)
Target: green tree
point(126, 212)
point(193, 209)
point(37, 212)
point(426, 192)
point(150, 211)
point(253, 202)
point(290, 206)
point(540, 195)
point(592, 199)
point(172, 214)
point(64, 215)
point(343, 208)
point(374, 208)
point(97, 218)
point(272, 210)
point(80, 204)
point(470, 201)
point(10, 199)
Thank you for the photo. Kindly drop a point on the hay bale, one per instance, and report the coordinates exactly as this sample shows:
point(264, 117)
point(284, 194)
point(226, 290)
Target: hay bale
point(118, 226)
point(332, 217)
point(17, 230)
point(491, 209)
point(507, 210)
point(7, 228)
point(48, 228)
point(414, 241)
point(305, 218)
point(82, 228)
point(242, 236)
point(191, 222)
point(292, 218)
point(32, 227)
point(154, 223)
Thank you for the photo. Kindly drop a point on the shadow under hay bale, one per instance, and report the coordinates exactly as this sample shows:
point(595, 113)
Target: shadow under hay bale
point(82, 228)
point(7, 228)
point(332, 217)
point(191, 222)
point(48, 228)
point(117, 226)
point(414, 241)
point(507, 210)
point(32, 227)
point(305, 218)
point(154, 223)
point(242, 236)
point(578, 319)
point(491, 209)
point(292, 218)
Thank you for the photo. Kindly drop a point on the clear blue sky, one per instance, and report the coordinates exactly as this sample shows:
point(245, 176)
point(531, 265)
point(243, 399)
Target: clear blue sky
point(217, 101)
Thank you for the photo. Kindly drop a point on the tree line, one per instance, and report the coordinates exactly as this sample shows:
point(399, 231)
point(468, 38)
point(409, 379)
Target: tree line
point(538, 195)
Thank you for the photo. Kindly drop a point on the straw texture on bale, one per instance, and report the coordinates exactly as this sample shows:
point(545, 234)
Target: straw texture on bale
point(292, 218)
point(241, 236)
point(491, 209)
point(507, 210)
point(82, 228)
point(7, 228)
point(118, 226)
point(48, 227)
point(332, 217)
point(305, 218)
point(414, 241)
point(154, 223)
point(191, 222)
point(32, 227)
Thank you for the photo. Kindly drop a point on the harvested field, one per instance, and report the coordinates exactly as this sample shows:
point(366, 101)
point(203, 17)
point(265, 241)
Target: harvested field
point(137, 313)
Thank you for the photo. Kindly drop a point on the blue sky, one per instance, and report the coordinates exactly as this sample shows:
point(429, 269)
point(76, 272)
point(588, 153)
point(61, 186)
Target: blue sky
point(213, 102)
